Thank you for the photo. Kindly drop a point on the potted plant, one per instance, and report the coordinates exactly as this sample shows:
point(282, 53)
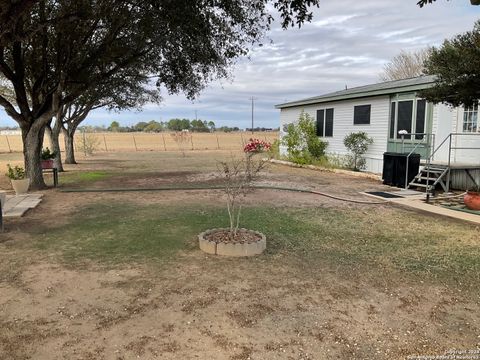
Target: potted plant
point(237, 177)
point(18, 179)
point(47, 157)
point(472, 198)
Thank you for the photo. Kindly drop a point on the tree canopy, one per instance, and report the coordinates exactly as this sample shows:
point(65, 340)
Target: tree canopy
point(456, 65)
point(54, 51)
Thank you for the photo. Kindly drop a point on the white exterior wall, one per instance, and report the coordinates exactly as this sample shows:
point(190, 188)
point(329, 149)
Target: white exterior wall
point(464, 156)
point(444, 118)
point(448, 120)
point(343, 125)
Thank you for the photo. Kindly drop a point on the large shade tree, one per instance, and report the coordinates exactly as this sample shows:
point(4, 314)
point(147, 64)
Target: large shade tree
point(128, 89)
point(456, 65)
point(54, 51)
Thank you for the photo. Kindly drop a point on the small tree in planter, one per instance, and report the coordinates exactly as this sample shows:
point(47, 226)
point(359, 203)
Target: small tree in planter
point(20, 182)
point(237, 177)
point(357, 144)
point(47, 157)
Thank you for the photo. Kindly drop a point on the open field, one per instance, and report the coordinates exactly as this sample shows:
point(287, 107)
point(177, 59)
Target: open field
point(151, 141)
point(117, 275)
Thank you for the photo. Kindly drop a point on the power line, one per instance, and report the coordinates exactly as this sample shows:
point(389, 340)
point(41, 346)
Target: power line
point(253, 106)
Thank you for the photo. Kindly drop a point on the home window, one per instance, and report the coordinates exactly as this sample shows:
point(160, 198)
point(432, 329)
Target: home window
point(404, 117)
point(470, 120)
point(361, 115)
point(408, 115)
point(325, 122)
point(420, 119)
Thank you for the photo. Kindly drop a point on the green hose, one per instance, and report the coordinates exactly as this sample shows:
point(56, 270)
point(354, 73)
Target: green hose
point(185, 188)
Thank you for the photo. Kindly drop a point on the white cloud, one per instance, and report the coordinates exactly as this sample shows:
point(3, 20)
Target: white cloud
point(347, 44)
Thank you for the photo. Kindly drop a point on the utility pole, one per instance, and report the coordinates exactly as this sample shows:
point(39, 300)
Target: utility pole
point(253, 105)
point(196, 115)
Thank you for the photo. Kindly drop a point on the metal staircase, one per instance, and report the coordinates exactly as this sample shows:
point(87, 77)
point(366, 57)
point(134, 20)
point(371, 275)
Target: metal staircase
point(430, 176)
point(434, 173)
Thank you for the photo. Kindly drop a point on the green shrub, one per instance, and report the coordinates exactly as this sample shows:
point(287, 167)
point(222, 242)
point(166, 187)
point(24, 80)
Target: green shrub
point(274, 151)
point(357, 144)
point(15, 173)
point(303, 144)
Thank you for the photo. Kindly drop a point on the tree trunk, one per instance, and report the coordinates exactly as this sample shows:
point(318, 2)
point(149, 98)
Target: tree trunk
point(32, 148)
point(54, 137)
point(69, 147)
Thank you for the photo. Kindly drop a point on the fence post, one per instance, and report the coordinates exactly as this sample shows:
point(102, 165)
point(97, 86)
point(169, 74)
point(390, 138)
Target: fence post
point(243, 141)
point(134, 143)
point(84, 143)
point(8, 143)
point(191, 140)
point(1, 216)
point(218, 144)
point(105, 142)
point(164, 145)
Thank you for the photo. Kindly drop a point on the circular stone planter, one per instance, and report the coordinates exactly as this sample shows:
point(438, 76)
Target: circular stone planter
point(232, 249)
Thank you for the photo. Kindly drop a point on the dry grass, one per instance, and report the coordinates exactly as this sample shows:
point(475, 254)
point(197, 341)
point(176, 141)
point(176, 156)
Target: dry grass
point(119, 275)
point(152, 141)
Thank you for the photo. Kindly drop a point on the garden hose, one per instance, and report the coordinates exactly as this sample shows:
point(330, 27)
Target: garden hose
point(186, 188)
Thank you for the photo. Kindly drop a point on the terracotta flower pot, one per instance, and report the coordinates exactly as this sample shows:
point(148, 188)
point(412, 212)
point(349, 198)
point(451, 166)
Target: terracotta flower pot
point(47, 164)
point(472, 200)
point(20, 186)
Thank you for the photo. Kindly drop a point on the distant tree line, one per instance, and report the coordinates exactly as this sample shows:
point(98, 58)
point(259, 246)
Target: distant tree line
point(175, 124)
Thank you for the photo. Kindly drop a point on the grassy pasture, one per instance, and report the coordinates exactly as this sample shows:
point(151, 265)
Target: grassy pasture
point(111, 142)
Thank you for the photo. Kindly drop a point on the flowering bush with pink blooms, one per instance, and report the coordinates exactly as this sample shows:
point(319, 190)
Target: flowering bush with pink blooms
point(256, 146)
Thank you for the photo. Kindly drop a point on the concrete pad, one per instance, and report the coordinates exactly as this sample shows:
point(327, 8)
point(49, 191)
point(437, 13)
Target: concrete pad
point(423, 206)
point(17, 206)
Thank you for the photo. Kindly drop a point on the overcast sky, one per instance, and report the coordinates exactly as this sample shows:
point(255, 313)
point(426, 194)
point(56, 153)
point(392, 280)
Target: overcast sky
point(347, 43)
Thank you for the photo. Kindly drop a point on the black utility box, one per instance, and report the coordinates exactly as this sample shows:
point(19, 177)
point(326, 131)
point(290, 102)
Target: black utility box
point(395, 168)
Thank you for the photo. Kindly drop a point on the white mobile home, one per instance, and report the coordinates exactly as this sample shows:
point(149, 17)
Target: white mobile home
point(448, 139)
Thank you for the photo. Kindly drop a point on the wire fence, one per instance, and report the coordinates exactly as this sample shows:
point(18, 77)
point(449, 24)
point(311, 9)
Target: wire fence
point(164, 141)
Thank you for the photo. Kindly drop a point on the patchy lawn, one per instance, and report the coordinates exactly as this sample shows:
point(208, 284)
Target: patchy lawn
point(119, 275)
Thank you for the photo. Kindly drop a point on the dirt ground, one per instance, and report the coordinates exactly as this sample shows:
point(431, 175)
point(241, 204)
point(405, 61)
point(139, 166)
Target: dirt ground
point(204, 307)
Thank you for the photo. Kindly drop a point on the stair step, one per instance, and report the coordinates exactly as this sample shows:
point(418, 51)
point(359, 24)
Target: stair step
point(434, 169)
point(421, 185)
point(426, 178)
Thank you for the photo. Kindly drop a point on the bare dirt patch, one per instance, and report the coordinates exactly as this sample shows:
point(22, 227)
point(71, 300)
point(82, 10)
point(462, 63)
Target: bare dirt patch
point(195, 306)
point(226, 310)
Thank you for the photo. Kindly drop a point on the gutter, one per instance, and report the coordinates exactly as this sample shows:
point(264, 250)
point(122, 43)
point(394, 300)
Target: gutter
point(340, 97)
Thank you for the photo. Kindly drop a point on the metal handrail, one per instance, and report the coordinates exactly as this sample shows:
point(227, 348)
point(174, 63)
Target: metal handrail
point(450, 148)
point(428, 136)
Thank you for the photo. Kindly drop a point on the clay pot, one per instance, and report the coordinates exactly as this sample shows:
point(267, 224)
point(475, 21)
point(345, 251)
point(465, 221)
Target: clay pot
point(47, 164)
point(472, 200)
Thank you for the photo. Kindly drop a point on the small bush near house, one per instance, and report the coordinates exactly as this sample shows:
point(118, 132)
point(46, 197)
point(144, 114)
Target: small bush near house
point(357, 144)
point(303, 144)
point(274, 151)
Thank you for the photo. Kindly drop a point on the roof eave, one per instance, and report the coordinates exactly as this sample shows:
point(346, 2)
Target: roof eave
point(354, 96)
